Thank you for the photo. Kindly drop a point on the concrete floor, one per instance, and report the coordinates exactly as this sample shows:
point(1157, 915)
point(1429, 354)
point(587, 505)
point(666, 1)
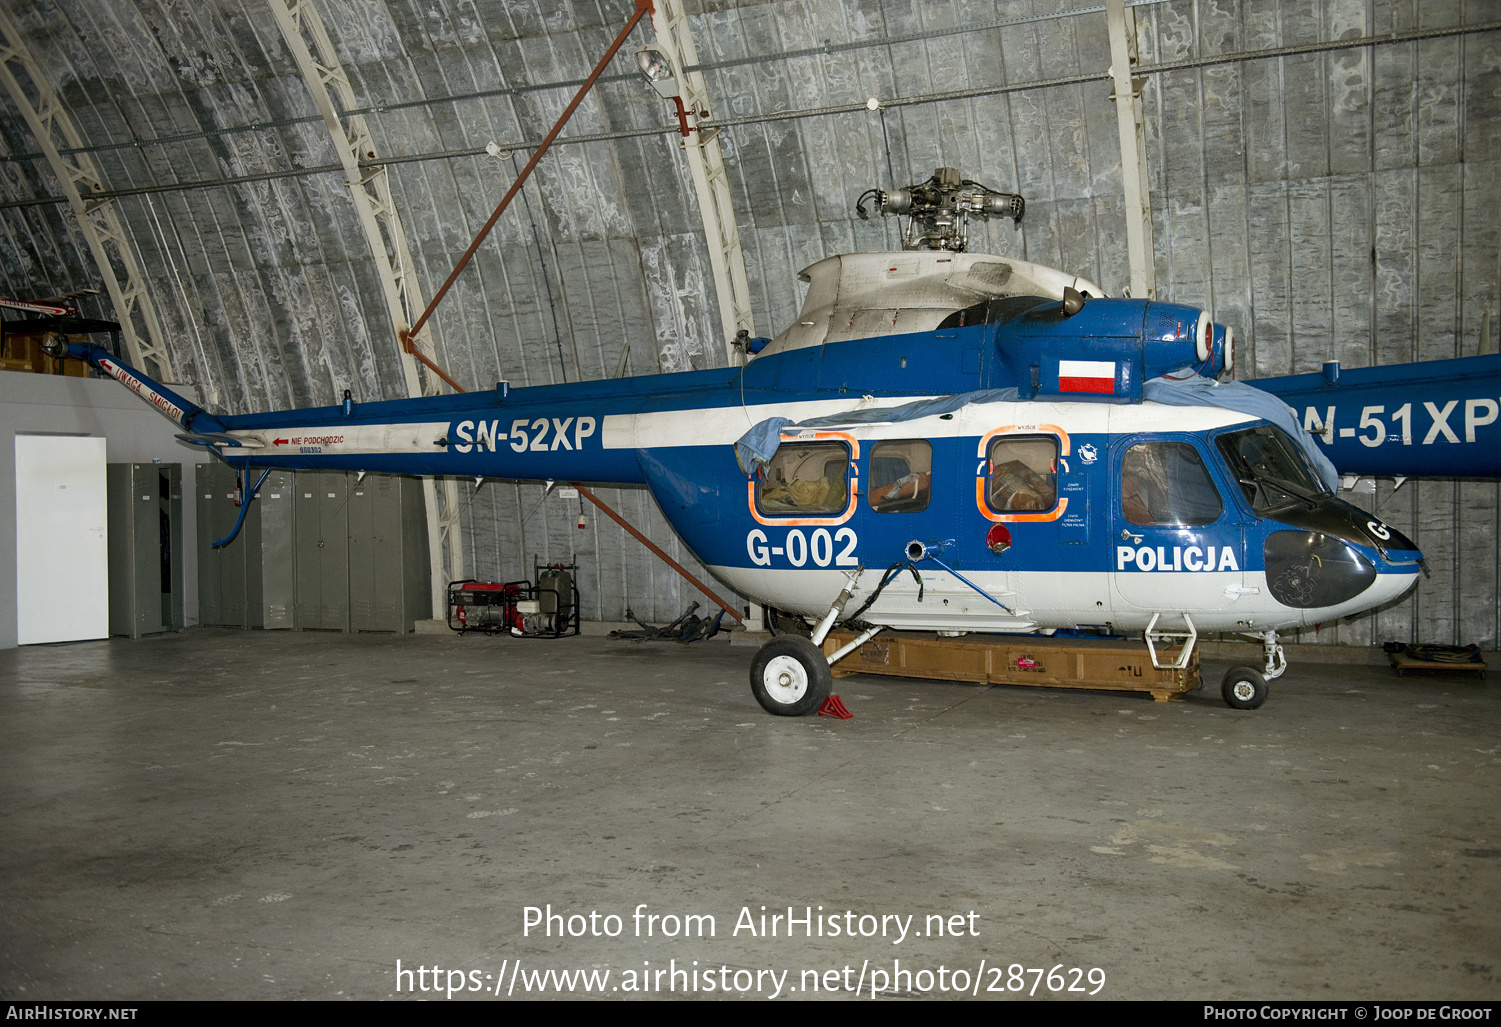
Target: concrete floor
point(224, 814)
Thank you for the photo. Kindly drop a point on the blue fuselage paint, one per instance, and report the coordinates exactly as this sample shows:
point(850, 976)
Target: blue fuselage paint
point(1077, 378)
point(1437, 418)
point(705, 496)
point(544, 431)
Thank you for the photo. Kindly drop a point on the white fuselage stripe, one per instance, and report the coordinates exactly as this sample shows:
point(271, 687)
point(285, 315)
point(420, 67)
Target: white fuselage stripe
point(725, 425)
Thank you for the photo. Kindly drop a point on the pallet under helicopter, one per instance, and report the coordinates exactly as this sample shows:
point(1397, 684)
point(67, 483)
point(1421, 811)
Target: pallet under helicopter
point(943, 441)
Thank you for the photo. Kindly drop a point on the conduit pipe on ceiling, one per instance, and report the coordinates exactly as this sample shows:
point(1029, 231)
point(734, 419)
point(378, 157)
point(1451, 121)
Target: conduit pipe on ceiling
point(753, 119)
point(968, 28)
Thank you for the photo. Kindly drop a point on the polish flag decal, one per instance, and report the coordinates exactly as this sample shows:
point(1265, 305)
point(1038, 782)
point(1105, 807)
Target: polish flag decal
point(1086, 376)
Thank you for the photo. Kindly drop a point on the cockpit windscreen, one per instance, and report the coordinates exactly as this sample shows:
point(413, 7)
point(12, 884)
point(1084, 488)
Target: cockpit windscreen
point(1270, 468)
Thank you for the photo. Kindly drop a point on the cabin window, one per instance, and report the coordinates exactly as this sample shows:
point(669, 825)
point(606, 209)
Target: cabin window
point(1023, 474)
point(1164, 484)
point(900, 476)
point(809, 478)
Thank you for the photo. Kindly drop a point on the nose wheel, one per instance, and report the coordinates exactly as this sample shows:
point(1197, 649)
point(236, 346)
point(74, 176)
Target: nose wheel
point(1243, 688)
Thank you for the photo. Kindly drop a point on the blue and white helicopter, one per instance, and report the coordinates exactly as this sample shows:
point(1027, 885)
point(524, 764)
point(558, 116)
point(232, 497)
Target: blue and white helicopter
point(942, 442)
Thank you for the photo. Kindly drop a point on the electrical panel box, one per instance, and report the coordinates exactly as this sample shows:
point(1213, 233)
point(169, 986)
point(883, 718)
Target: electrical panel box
point(145, 548)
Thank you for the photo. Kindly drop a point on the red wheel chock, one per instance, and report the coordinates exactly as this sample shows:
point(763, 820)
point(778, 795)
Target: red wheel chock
point(832, 707)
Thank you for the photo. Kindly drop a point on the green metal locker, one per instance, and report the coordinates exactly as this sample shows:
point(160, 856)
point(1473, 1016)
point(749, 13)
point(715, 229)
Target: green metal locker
point(208, 484)
point(229, 579)
point(145, 548)
point(278, 596)
point(321, 530)
point(388, 564)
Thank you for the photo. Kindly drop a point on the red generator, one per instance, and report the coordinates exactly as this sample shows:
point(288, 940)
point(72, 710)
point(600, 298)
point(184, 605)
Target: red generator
point(486, 606)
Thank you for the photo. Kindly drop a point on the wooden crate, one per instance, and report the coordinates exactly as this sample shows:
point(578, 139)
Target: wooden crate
point(1109, 664)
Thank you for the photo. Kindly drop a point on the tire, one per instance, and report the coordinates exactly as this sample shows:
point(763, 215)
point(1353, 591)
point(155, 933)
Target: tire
point(790, 677)
point(1243, 688)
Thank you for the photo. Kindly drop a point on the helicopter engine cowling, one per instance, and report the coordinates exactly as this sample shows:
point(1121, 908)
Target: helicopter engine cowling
point(1107, 348)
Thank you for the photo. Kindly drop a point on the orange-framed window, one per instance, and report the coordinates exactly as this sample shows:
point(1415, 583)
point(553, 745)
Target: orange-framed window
point(805, 478)
point(1022, 474)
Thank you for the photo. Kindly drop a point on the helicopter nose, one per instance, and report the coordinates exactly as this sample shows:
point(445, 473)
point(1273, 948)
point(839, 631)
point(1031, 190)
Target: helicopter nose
point(1312, 570)
point(1307, 569)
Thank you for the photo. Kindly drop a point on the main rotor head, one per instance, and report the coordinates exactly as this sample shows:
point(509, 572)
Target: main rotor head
point(940, 209)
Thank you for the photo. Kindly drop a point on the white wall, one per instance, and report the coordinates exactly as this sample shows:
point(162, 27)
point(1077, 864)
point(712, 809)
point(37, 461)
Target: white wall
point(133, 433)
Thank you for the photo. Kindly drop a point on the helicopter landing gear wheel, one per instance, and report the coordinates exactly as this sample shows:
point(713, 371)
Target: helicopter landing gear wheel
point(790, 676)
point(1243, 688)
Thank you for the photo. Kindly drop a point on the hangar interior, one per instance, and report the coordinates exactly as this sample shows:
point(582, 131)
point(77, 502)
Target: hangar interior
point(264, 192)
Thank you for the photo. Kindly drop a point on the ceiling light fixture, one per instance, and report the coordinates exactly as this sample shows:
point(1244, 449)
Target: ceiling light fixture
point(660, 74)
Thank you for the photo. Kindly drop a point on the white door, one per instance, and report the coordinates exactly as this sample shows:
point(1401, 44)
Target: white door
point(62, 553)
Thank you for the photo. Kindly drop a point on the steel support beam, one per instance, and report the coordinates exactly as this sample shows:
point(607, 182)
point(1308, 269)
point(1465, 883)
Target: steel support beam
point(370, 188)
point(658, 552)
point(1132, 129)
point(97, 219)
point(711, 183)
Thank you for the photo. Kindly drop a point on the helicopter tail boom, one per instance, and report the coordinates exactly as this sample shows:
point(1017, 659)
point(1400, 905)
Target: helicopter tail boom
point(188, 416)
